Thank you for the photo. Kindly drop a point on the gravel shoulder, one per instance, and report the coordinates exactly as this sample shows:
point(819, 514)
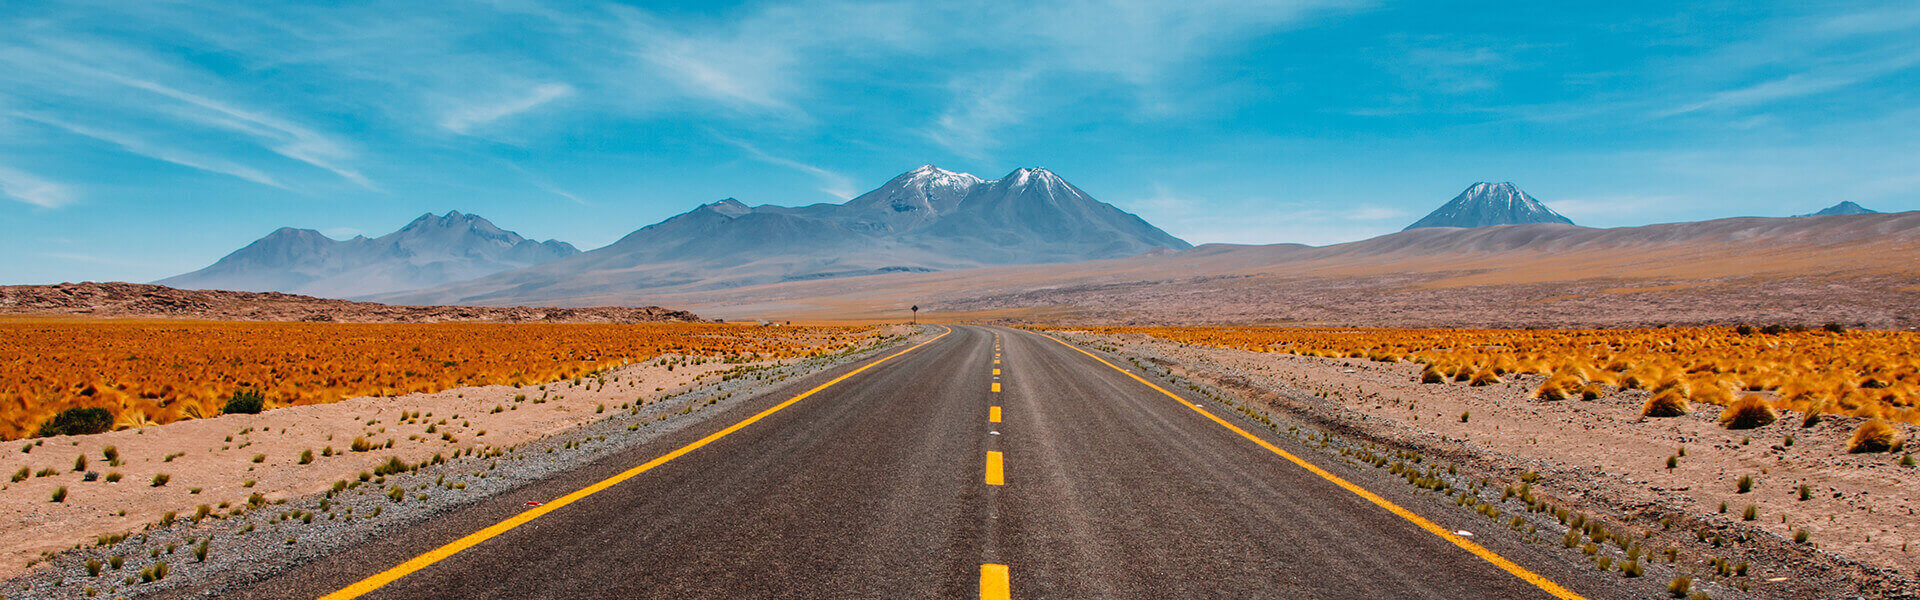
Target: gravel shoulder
point(1604, 460)
point(269, 506)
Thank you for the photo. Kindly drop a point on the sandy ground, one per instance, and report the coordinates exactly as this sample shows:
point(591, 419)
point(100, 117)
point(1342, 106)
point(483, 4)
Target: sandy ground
point(228, 458)
point(1602, 452)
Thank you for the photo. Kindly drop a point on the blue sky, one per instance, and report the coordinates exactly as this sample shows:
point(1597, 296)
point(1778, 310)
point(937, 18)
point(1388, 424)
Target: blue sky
point(143, 139)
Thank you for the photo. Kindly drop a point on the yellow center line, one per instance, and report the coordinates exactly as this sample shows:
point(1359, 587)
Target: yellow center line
point(1497, 560)
point(994, 584)
point(996, 371)
point(993, 414)
point(994, 474)
point(996, 386)
point(382, 578)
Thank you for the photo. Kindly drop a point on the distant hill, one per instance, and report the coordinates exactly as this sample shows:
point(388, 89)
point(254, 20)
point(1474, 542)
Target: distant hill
point(1484, 204)
point(1846, 207)
point(927, 219)
point(145, 300)
point(429, 251)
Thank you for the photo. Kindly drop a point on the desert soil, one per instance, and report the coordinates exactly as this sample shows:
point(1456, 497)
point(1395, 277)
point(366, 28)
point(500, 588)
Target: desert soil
point(1604, 456)
point(224, 460)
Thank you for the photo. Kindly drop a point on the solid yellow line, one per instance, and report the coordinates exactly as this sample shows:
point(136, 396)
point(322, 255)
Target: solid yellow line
point(994, 474)
point(442, 553)
point(993, 414)
point(996, 386)
point(1477, 550)
point(994, 584)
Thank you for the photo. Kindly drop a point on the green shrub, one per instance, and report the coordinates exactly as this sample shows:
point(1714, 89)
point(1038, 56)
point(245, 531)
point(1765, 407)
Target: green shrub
point(245, 401)
point(78, 421)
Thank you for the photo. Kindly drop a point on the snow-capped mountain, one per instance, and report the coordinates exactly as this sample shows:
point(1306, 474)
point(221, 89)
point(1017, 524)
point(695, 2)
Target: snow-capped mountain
point(922, 220)
point(1845, 207)
point(1484, 204)
point(431, 250)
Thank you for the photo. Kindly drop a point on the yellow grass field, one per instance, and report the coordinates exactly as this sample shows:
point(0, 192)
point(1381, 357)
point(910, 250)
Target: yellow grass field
point(1874, 374)
point(151, 372)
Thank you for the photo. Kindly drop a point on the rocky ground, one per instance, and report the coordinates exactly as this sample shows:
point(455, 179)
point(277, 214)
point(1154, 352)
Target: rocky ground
point(1602, 459)
point(268, 505)
point(135, 300)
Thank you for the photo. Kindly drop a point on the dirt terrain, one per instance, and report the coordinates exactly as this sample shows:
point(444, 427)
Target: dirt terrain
point(1857, 510)
point(1859, 270)
point(135, 300)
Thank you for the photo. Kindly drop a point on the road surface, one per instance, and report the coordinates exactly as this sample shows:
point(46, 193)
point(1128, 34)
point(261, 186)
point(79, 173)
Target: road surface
point(986, 463)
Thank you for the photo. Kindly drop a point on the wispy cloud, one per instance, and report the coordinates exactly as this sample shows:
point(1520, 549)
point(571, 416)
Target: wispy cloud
point(142, 147)
point(464, 119)
point(832, 183)
point(25, 187)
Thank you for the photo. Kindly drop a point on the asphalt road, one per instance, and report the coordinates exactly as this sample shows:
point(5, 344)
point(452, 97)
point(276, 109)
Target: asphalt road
point(883, 486)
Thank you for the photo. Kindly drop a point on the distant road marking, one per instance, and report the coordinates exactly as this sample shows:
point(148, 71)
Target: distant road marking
point(383, 578)
point(1499, 561)
point(996, 386)
point(994, 474)
point(996, 371)
point(994, 584)
point(996, 360)
point(993, 414)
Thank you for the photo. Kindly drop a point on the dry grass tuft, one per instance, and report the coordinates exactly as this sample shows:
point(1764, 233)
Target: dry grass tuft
point(1486, 377)
point(1669, 403)
point(1875, 436)
point(1747, 413)
point(1556, 389)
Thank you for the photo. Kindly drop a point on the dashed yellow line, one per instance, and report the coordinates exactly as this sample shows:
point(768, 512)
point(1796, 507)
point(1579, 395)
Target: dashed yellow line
point(383, 578)
point(993, 414)
point(994, 582)
point(996, 371)
point(996, 386)
point(1488, 555)
point(995, 476)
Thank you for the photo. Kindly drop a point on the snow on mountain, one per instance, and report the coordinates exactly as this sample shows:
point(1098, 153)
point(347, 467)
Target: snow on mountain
point(1484, 204)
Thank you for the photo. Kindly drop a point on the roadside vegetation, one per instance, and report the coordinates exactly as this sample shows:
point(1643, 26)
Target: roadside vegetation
point(77, 376)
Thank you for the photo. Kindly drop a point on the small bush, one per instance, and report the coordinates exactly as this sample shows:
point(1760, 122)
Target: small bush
point(60, 494)
point(1555, 389)
point(1485, 377)
point(360, 444)
point(1874, 436)
point(1680, 585)
point(306, 456)
point(78, 421)
point(245, 401)
point(159, 479)
point(1800, 536)
point(1668, 403)
point(1747, 413)
point(1744, 484)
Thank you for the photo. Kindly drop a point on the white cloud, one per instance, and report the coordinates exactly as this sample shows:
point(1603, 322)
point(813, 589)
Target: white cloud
point(832, 183)
point(464, 119)
point(25, 187)
point(142, 147)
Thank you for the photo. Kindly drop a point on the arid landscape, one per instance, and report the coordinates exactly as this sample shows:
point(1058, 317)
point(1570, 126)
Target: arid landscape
point(1108, 299)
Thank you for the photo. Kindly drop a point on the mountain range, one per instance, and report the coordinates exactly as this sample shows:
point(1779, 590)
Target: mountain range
point(927, 219)
point(1487, 204)
point(431, 250)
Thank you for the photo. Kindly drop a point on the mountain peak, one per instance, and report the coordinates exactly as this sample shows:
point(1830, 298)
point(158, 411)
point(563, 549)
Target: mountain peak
point(729, 207)
point(1487, 203)
point(1845, 207)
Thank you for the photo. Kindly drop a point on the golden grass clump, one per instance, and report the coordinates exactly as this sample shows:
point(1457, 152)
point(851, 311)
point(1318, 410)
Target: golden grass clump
point(1486, 377)
point(1875, 436)
point(1556, 389)
point(1748, 412)
point(1670, 403)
